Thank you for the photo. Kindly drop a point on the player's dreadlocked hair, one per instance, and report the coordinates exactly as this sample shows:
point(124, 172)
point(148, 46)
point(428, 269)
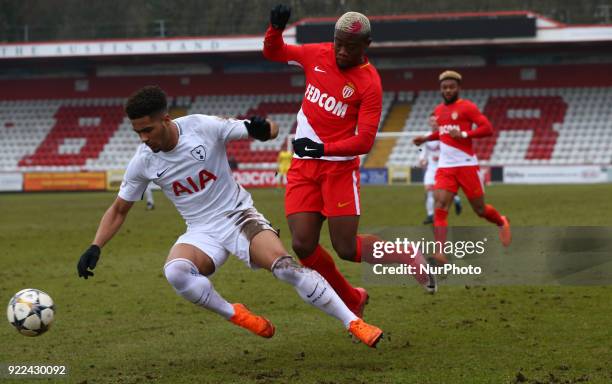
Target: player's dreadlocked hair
point(354, 23)
point(147, 101)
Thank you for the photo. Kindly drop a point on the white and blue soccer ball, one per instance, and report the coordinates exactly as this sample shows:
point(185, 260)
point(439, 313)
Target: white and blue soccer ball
point(31, 312)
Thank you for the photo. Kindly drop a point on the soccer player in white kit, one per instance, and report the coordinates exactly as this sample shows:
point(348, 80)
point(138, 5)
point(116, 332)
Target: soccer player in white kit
point(428, 159)
point(186, 157)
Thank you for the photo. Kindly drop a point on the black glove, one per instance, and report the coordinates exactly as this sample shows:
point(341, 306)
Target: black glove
point(279, 16)
point(258, 128)
point(306, 147)
point(88, 260)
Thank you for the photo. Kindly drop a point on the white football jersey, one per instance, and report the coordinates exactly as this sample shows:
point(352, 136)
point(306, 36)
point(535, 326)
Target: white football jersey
point(431, 153)
point(195, 175)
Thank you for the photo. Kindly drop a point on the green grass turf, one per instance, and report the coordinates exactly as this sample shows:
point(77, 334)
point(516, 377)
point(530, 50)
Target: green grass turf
point(126, 325)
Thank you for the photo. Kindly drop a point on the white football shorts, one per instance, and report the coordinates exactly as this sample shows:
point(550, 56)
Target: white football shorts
point(229, 234)
point(430, 176)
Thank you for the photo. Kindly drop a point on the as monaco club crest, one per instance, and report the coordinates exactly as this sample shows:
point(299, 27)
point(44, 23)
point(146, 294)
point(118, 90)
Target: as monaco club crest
point(348, 90)
point(199, 153)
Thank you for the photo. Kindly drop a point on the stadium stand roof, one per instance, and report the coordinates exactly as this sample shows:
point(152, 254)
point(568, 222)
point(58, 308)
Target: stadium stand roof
point(547, 32)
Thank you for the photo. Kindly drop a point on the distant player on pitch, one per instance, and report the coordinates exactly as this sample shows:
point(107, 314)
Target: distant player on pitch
point(186, 157)
point(337, 122)
point(458, 165)
point(149, 197)
point(284, 162)
point(428, 159)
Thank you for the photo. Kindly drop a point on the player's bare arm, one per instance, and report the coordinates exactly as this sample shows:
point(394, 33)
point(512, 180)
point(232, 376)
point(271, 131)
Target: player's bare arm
point(273, 129)
point(109, 225)
point(435, 135)
point(419, 140)
point(111, 221)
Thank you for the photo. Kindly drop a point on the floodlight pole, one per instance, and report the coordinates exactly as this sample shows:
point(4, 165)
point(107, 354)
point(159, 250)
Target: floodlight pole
point(162, 27)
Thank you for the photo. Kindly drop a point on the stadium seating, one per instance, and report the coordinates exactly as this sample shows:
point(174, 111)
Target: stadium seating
point(249, 153)
point(93, 134)
point(532, 126)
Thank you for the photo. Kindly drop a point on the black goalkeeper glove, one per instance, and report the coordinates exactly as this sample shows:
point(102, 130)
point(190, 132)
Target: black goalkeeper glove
point(88, 260)
point(279, 16)
point(258, 128)
point(306, 147)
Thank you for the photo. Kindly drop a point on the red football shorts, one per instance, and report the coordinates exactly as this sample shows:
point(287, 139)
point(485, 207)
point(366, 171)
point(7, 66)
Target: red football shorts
point(450, 179)
point(328, 187)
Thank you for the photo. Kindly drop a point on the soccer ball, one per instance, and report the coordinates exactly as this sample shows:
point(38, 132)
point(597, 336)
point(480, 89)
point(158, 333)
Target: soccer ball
point(31, 312)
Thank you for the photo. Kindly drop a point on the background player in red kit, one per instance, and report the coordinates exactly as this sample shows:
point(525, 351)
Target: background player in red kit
point(458, 165)
point(343, 92)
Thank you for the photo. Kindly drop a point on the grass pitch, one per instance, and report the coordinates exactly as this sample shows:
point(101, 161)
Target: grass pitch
point(126, 324)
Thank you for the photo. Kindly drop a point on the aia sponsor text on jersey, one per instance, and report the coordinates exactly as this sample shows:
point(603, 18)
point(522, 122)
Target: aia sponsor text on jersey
point(190, 186)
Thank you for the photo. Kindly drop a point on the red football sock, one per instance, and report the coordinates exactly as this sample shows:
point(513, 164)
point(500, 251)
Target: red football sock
point(440, 225)
point(365, 251)
point(491, 214)
point(321, 261)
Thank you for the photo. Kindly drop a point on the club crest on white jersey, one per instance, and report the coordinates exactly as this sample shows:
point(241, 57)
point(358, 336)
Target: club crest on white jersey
point(199, 153)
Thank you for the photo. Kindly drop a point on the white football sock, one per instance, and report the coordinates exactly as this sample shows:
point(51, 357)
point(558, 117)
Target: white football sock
point(429, 203)
point(184, 277)
point(312, 288)
point(149, 195)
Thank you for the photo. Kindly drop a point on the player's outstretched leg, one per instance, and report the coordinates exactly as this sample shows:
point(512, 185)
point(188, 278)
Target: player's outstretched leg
point(321, 261)
point(413, 258)
point(361, 249)
point(315, 290)
point(305, 229)
point(267, 251)
point(186, 280)
point(489, 213)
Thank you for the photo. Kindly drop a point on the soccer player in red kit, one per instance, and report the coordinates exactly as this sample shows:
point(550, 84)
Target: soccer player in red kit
point(337, 122)
point(458, 165)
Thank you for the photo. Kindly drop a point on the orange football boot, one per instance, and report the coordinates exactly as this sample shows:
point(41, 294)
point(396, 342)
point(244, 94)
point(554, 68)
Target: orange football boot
point(366, 333)
point(504, 232)
point(246, 319)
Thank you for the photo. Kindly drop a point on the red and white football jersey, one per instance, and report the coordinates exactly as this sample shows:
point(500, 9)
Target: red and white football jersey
point(460, 115)
point(341, 108)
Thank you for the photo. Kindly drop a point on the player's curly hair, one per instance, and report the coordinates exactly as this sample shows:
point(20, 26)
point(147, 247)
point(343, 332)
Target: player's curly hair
point(147, 101)
point(450, 75)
